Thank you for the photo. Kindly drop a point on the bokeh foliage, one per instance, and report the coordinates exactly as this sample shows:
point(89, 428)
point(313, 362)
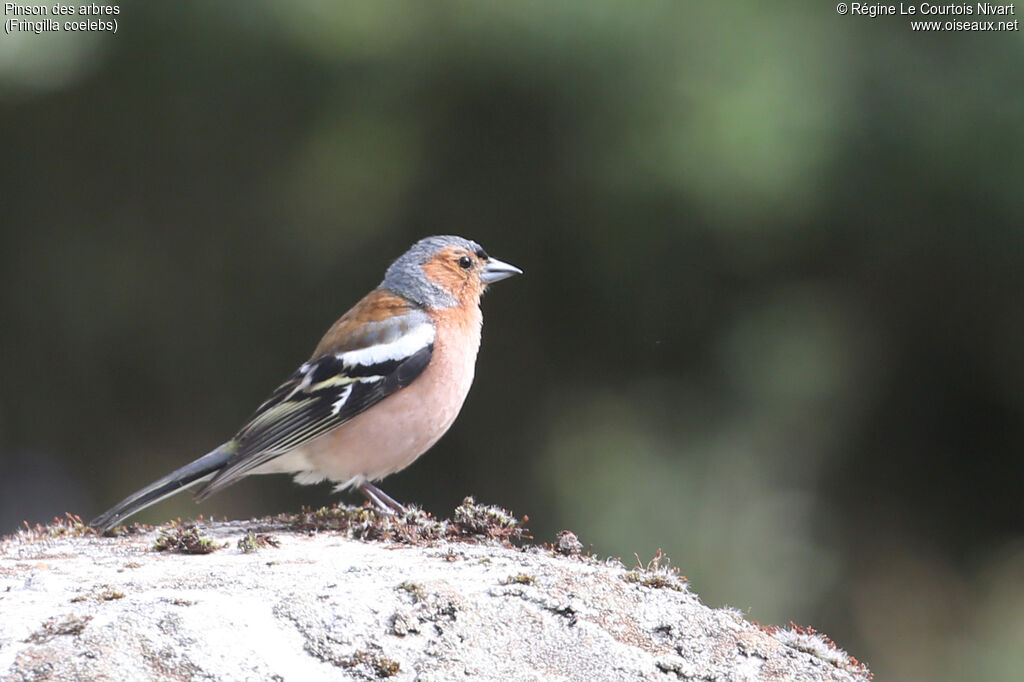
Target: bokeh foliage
point(771, 320)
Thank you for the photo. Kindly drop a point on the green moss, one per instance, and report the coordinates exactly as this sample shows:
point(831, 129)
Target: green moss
point(520, 579)
point(69, 526)
point(656, 575)
point(68, 625)
point(381, 666)
point(184, 539)
point(484, 521)
point(252, 542)
point(655, 580)
point(385, 667)
point(415, 589)
point(470, 522)
point(106, 595)
point(366, 523)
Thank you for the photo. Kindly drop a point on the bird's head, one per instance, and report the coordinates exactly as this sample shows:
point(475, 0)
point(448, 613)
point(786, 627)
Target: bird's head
point(445, 271)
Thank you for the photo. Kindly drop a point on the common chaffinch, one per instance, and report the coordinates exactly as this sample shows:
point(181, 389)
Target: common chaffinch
point(383, 385)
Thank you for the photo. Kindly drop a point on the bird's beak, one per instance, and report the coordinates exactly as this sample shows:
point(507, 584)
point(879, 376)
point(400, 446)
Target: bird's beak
point(495, 271)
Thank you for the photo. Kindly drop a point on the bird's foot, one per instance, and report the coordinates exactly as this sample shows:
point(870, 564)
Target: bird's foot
point(381, 499)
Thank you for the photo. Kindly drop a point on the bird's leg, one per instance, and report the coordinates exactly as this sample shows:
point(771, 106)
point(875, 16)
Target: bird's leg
point(381, 499)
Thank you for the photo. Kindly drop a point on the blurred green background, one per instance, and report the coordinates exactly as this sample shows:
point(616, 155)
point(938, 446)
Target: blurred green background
point(771, 320)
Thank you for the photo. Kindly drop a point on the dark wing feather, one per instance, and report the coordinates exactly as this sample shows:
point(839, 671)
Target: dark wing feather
point(322, 395)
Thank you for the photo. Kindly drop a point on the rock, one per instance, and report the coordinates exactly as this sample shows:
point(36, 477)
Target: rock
point(276, 599)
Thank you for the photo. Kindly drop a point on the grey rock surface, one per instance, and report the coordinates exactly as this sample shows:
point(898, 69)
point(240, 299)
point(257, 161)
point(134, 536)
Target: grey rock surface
point(324, 606)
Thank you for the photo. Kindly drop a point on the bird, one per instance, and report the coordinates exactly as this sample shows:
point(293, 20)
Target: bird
point(382, 386)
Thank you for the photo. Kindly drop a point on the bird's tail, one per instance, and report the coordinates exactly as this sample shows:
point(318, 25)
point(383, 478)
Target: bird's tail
point(172, 483)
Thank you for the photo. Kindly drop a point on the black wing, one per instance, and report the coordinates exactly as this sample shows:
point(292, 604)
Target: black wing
point(322, 395)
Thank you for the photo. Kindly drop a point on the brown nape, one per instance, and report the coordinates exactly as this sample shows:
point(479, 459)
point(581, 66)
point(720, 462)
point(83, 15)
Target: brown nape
point(464, 285)
point(344, 334)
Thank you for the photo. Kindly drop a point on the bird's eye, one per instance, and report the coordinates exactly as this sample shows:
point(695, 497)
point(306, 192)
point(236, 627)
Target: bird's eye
point(465, 262)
